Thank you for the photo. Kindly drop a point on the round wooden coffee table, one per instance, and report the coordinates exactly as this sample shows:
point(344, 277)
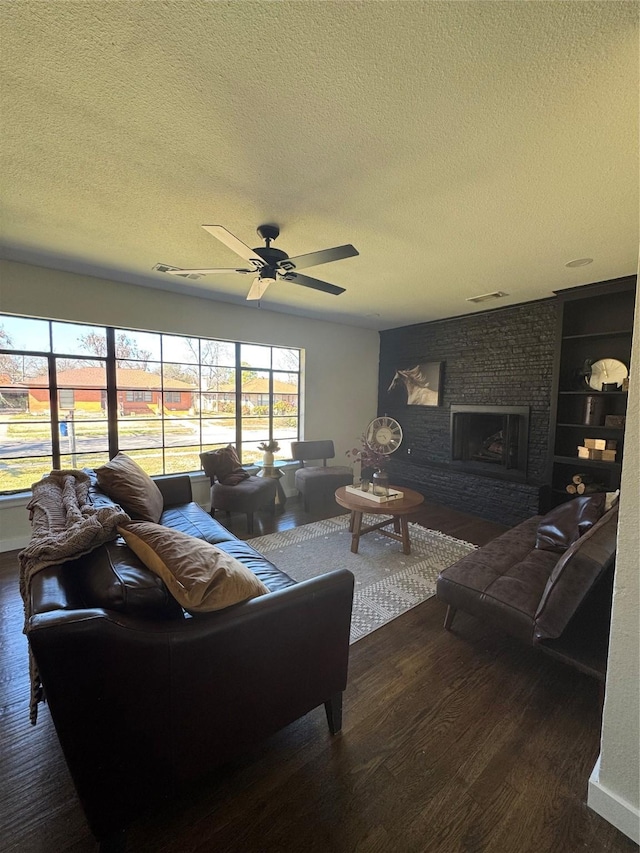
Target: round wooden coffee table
point(398, 510)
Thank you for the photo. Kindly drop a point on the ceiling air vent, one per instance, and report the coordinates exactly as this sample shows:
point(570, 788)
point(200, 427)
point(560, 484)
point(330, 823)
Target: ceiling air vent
point(485, 297)
point(166, 268)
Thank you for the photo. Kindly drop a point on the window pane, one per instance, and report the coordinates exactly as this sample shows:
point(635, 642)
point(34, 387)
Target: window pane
point(134, 347)
point(86, 436)
point(183, 349)
point(149, 460)
point(92, 375)
point(139, 432)
point(20, 474)
point(219, 431)
point(285, 428)
point(136, 377)
point(24, 438)
point(83, 460)
point(24, 370)
point(251, 452)
point(183, 432)
point(72, 339)
point(82, 403)
point(255, 356)
point(23, 333)
point(177, 376)
point(179, 460)
point(217, 353)
point(285, 359)
point(255, 392)
point(219, 396)
point(180, 409)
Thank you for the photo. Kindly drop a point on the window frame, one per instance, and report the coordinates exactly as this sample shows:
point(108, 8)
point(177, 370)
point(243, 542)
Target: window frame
point(114, 393)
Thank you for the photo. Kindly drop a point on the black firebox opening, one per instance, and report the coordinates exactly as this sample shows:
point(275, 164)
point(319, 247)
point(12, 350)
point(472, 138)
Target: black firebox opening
point(491, 440)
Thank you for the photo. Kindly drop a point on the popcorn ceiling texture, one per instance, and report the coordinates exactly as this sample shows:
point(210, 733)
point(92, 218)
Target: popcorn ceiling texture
point(459, 146)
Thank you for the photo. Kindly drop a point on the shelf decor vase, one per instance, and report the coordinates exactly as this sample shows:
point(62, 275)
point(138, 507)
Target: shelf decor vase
point(267, 458)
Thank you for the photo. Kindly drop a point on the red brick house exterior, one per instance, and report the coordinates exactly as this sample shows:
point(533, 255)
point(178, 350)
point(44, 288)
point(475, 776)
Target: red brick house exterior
point(139, 392)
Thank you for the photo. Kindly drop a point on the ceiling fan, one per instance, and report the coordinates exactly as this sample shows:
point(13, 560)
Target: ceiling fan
point(270, 264)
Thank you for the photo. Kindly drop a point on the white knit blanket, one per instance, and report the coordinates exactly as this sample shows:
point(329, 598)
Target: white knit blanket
point(64, 525)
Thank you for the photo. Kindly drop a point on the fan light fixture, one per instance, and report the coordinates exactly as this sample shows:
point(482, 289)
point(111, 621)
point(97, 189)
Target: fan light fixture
point(268, 263)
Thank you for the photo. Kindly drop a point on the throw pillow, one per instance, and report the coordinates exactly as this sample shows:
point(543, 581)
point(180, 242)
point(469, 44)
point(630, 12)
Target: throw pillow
point(224, 466)
point(124, 481)
point(200, 576)
point(566, 523)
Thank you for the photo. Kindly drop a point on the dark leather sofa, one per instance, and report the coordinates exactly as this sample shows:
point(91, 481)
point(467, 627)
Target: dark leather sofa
point(530, 592)
point(145, 698)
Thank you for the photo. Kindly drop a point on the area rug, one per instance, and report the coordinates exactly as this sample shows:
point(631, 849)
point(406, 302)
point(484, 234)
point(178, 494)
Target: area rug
point(387, 582)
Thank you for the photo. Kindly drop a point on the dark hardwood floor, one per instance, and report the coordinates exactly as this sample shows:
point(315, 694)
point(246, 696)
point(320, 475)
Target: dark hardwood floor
point(461, 741)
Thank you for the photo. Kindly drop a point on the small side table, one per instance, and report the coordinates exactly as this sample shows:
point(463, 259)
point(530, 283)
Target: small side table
point(275, 472)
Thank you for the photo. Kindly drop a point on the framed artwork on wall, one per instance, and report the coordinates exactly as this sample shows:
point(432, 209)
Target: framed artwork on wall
point(418, 385)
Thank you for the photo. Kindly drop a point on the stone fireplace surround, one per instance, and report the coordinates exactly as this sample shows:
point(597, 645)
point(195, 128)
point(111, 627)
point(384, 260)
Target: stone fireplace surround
point(499, 358)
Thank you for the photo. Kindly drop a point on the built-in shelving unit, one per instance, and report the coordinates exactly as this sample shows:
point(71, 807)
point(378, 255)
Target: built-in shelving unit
point(594, 322)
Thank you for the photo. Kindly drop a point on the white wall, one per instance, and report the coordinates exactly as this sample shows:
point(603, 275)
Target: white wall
point(341, 362)
point(614, 787)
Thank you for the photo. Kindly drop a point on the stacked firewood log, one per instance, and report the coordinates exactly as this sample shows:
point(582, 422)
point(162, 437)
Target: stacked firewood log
point(584, 484)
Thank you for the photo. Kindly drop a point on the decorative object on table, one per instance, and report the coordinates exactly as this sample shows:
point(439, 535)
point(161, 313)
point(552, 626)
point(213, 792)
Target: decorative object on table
point(593, 410)
point(380, 483)
point(607, 371)
point(615, 421)
point(268, 449)
point(366, 492)
point(419, 385)
point(368, 458)
point(382, 437)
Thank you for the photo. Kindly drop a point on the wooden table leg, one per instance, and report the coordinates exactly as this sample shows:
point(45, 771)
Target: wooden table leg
point(352, 521)
point(356, 523)
point(396, 523)
point(404, 526)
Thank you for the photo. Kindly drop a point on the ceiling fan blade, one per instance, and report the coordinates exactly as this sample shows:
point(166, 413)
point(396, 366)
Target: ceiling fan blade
point(205, 272)
point(315, 283)
point(258, 287)
point(234, 244)
point(323, 257)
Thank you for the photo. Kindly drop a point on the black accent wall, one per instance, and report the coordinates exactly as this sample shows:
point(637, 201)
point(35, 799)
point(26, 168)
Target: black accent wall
point(503, 357)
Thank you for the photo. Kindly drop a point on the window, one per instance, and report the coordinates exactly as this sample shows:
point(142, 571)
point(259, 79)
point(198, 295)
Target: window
point(138, 396)
point(71, 396)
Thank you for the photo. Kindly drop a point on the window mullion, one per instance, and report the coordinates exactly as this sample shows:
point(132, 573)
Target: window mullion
point(238, 402)
point(112, 393)
point(53, 408)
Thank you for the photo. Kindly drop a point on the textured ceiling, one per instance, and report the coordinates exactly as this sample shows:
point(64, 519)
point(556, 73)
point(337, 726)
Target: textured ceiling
point(461, 147)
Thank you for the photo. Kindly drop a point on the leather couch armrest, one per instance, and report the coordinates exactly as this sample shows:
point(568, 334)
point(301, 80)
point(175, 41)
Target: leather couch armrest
point(143, 706)
point(175, 488)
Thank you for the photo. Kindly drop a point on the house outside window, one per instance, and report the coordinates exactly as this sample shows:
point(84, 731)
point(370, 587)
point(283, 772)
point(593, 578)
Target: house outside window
point(138, 396)
point(71, 396)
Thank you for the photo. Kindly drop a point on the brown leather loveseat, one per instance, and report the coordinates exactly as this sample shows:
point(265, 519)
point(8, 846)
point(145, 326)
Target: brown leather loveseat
point(145, 698)
point(532, 580)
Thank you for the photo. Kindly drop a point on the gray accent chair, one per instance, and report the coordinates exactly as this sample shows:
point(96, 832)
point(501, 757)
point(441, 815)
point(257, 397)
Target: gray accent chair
point(247, 496)
point(318, 483)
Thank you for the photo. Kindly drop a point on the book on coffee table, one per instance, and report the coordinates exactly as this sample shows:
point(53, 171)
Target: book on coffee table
point(394, 495)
